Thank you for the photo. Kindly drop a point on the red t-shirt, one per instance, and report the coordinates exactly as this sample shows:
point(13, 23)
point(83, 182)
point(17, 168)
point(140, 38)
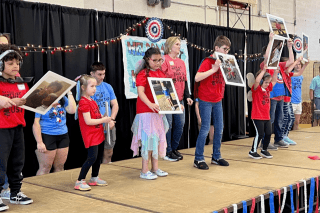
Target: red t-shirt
point(91, 135)
point(211, 89)
point(282, 66)
point(261, 103)
point(175, 69)
point(13, 116)
point(143, 81)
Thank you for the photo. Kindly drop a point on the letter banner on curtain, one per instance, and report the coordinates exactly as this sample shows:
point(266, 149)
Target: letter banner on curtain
point(133, 49)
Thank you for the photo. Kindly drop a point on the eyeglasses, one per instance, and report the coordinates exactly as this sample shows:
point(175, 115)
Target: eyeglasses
point(227, 49)
point(157, 61)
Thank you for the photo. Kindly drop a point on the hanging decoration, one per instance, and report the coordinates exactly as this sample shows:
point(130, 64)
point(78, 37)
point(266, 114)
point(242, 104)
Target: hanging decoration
point(297, 44)
point(156, 32)
point(31, 48)
point(154, 29)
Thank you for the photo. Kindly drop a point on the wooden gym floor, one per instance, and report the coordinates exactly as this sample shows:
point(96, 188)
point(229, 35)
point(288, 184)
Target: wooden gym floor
point(186, 189)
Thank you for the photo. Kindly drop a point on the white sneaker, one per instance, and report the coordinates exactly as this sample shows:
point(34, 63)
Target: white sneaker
point(148, 176)
point(160, 173)
point(5, 194)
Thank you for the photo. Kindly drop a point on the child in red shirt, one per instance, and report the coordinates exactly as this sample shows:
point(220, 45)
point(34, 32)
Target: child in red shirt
point(261, 111)
point(149, 128)
point(211, 93)
point(90, 121)
point(12, 147)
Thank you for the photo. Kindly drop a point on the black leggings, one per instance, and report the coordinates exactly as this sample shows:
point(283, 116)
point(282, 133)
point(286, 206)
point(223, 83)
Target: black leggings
point(263, 128)
point(94, 159)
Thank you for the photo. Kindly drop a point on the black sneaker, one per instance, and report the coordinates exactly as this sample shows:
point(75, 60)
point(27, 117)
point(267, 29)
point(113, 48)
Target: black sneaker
point(3, 206)
point(201, 164)
point(21, 198)
point(266, 154)
point(171, 157)
point(177, 153)
point(221, 162)
point(254, 155)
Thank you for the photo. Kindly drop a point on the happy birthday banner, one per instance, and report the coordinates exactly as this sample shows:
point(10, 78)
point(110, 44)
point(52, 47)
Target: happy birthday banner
point(133, 49)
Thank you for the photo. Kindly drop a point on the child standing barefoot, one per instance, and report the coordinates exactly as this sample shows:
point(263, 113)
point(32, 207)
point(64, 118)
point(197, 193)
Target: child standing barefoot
point(149, 128)
point(90, 121)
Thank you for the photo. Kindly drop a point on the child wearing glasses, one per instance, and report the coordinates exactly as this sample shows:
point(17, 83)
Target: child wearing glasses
point(149, 128)
point(210, 93)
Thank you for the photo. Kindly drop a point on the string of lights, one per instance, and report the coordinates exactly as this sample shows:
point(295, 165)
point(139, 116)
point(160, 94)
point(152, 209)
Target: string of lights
point(32, 48)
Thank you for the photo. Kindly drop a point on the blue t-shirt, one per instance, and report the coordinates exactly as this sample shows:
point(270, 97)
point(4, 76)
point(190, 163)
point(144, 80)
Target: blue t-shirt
point(54, 121)
point(104, 93)
point(279, 88)
point(315, 86)
point(296, 89)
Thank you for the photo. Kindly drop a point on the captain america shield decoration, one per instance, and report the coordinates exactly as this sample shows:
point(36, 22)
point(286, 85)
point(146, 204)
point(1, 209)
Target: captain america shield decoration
point(154, 29)
point(297, 44)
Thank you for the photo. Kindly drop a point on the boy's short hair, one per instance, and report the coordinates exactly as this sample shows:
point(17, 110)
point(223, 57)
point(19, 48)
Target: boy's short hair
point(222, 40)
point(17, 54)
point(97, 66)
point(284, 59)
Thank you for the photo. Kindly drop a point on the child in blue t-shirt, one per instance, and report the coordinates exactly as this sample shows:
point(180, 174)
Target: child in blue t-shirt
point(51, 133)
point(105, 93)
point(296, 99)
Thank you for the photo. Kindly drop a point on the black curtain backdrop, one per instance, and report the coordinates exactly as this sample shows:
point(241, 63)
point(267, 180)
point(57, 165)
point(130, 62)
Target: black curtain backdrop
point(52, 25)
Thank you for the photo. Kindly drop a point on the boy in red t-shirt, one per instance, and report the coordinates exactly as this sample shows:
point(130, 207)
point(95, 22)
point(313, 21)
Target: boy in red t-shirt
point(261, 111)
point(210, 93)
point(12, 121)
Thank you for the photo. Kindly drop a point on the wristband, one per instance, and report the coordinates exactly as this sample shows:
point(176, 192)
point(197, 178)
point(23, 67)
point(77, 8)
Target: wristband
point(69, 93)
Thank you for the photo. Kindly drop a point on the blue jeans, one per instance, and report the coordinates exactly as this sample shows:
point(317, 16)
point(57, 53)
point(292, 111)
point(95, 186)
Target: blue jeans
point(6, 184)
point(176, 124)
point(276, 117)
point(208, 111)
point(288, 118)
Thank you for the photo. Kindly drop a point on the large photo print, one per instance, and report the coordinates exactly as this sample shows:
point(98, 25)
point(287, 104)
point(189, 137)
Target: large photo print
point(165, 95)
point(230, 69)
point(48, 90)
point(278, 26)
point(275, 52)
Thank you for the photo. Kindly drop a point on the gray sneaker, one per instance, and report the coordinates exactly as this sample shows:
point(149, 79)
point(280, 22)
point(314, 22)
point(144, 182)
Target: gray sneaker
point(281, 144)
point(270, 147)
point(5, 194)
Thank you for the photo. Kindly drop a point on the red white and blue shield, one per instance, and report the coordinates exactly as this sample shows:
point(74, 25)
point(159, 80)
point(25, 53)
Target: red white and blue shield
point(297, 44)
point(154, 29)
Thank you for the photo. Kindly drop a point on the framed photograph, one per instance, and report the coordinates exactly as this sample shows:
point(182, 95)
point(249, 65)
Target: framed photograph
point(275, 52)
point(230, 70)
point(278, 26)
point(165, 95)
point(305, 45)
point(48, 90)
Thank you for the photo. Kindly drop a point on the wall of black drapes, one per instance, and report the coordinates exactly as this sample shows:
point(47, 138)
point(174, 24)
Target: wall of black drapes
point(52, 25)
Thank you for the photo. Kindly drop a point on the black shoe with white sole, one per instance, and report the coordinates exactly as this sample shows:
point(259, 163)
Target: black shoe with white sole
point(254, 155)
point(177, 153)
point(21, 198)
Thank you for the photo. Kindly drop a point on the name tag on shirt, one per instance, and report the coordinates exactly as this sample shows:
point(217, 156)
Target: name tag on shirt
point(21, 87)
point(171, 63)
